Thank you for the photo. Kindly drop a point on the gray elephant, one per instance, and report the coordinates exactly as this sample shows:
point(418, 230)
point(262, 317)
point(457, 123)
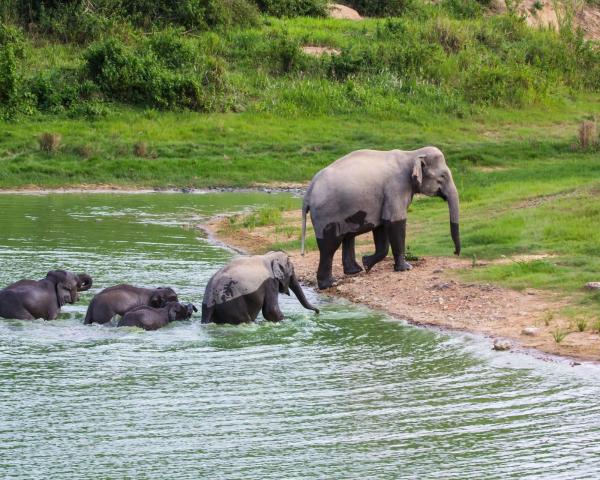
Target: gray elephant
point(32, 299)
point(237, 292)
point(120, 299)
point(370, 190)
point(150, 318)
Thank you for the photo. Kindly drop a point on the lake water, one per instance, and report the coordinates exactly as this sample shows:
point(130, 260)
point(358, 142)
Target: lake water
point(346, 394)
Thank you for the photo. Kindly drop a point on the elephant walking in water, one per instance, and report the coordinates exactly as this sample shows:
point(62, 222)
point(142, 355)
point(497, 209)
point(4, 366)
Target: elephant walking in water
point(32, 299)
point(236, 293)
point(120, 299)
point(371, 190)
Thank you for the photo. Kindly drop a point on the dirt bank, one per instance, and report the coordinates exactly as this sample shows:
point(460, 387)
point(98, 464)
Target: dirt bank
point(433, 294)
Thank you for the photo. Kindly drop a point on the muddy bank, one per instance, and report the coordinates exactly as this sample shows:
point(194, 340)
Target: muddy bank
point(433, 294)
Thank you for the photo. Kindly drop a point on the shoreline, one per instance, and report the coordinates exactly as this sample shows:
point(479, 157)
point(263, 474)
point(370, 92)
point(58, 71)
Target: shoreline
point(433, 295)
point(295, 189)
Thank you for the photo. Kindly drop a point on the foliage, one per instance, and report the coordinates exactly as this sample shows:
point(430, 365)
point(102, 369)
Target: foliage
point(293, 8)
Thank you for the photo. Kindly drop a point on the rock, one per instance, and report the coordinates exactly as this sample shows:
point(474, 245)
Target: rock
point(501, 345)
point(441, 286)
point(531, 331)
point(593, 285)
point(438, 270)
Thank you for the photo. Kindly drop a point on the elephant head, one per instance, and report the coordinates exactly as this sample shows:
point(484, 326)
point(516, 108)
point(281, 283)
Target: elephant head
point(179, 311)
point(431, 176)
point(161, 296)
point(66, 285)
point(283, 271)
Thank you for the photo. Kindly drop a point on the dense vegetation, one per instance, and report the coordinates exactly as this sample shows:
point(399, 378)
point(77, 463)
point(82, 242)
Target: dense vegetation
point(84, 57)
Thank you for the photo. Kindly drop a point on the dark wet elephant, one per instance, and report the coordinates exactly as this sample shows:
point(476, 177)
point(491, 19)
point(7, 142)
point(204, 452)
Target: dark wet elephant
point(150, 318)
point(247, 285)
point(31, 299)
point(120, 299)
point(370, 190)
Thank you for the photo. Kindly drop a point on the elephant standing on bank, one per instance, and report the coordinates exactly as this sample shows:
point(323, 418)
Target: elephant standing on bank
point(370, 190)
point(32, 299)
point(150, 318)
point(237, 292)
point(120, 299)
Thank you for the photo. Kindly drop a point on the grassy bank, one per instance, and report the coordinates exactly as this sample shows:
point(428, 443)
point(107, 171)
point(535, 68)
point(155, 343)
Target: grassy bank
point(144, 148)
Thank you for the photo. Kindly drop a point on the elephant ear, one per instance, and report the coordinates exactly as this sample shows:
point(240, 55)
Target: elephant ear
point(282, 274)
point(172, 313)
point(417, 172)
point(59, 278)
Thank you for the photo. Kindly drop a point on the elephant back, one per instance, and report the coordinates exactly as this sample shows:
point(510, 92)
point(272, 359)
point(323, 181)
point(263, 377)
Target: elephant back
point(240, 277)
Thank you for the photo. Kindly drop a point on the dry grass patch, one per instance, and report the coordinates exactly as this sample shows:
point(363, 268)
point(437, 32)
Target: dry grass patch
point(49, 142)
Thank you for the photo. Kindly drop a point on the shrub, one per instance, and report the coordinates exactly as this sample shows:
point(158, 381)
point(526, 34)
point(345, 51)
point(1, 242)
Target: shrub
point(382, 8)
point(140, 149)
point(11, 49)
point(49, 142)
point(559, 335)
point(588, 134)
point(294, 8)
point(503, 85)
point(138, 76)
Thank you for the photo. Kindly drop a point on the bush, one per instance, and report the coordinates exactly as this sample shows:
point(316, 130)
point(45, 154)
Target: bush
point(49, 142)
point(382, 8)
point(139, 76)
point(294, 8)
point(11, 49)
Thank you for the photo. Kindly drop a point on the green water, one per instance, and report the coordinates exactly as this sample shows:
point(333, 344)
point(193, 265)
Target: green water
point(346, 394)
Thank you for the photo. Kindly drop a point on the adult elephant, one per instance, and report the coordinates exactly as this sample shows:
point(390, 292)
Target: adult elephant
point(150, 318)
point(120, 299)
point(32, 299)
point(370, 190)
point(237, 292)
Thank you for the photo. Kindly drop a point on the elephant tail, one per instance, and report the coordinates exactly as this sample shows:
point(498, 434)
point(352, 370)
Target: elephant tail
point(305, 209)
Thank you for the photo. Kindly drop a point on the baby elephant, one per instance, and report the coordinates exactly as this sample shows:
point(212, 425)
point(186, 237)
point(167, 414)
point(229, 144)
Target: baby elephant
point(150, 318)
point(120, 299)
point(237, 292)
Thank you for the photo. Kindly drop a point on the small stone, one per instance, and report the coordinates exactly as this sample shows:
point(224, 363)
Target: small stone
point(593, 285)
point(438, 270)
point(531, 331)
point(501, 345)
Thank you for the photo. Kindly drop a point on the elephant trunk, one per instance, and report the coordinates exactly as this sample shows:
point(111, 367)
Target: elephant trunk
point(452, 197)
point(84, 282)
point(297, 289)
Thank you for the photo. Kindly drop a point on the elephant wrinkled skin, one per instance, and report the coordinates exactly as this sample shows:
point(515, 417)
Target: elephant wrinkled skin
point(150, 318)
point(32, 299)
point(371, 190)
point(120, 299)
point(240, 290)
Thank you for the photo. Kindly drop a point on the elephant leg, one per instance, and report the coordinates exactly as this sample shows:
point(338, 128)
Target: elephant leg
point(270, 308)
point(349, 255)
point(327, 248)
point(382, 246)
point(396, 232)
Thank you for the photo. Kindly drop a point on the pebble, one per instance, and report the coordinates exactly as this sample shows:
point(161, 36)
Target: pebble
point(593, 285)
point(501, 345)
point(531, 331)
point(438, 270)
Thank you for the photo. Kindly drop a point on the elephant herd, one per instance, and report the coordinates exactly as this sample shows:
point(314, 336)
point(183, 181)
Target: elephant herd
point(235, 294)
point(364, 191)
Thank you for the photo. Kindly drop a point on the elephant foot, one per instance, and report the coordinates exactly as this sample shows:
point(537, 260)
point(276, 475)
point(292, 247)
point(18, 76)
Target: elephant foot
point(369, 261)
point(402, 266)
point(326, 283)
point(352, 269)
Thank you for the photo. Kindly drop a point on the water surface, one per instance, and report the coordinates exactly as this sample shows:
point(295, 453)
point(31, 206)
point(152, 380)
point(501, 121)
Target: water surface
point(346, 394)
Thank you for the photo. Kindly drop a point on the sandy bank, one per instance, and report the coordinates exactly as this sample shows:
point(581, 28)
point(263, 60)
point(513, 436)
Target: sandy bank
point(433, 294)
